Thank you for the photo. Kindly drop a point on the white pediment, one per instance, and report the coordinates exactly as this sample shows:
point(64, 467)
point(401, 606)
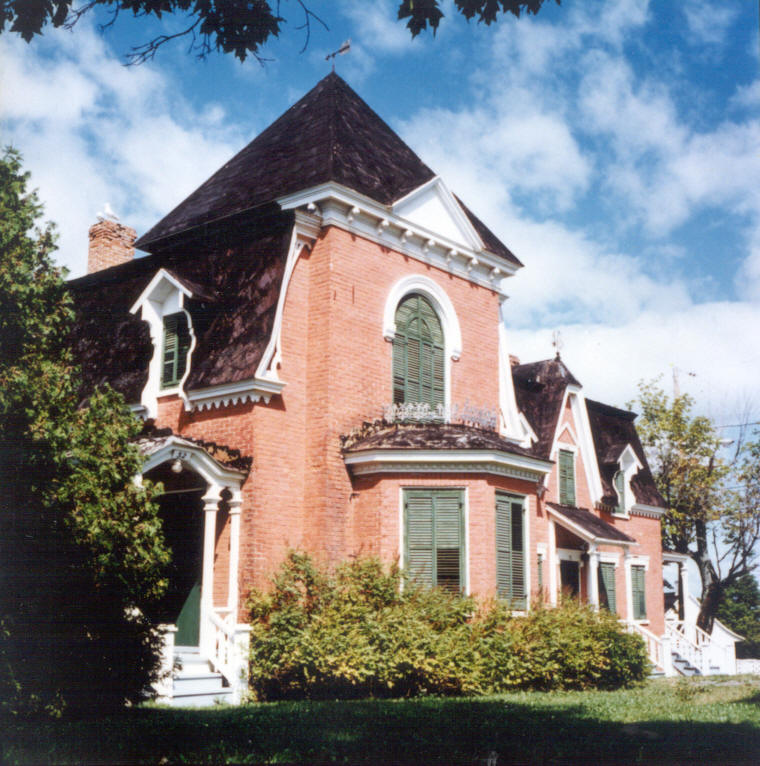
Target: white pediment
point(434, 208)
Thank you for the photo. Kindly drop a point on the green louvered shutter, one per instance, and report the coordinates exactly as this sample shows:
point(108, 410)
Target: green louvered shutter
point(510, 553)
point(419, 536)
point(638, 592)
point(606, 579)
point(566, 477)
point(619, 482)
point(434, 540)
point(449, 538)
point(418, 361)
point(176, 344)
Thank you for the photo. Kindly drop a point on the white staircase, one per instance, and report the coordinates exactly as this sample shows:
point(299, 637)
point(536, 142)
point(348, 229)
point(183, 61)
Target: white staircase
point(194, 682)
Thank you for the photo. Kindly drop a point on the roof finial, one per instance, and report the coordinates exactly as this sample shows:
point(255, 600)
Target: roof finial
point(344, 48)
point(557, 342)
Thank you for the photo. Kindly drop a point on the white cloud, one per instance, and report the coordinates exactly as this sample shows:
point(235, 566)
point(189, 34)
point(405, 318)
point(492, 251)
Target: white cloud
point(93, 131)
point(708, 21)
point(711, 345)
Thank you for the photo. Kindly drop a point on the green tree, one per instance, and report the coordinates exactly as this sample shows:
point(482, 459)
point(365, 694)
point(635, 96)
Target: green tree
point(740, 611)
point(713, 501)
point(81, 549)
point(240, 27)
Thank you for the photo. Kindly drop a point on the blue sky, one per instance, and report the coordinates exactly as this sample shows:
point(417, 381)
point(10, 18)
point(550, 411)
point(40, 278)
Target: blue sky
point(614, 146)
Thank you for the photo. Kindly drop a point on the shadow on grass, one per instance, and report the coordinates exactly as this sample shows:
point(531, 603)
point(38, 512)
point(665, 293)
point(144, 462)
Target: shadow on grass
point(486, 731)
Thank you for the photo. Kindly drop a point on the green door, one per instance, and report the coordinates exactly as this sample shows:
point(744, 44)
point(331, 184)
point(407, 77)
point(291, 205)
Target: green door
point(182, 519)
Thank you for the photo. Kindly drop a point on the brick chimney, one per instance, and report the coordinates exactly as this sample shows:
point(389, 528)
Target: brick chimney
point(513, 360)
point(111, 243)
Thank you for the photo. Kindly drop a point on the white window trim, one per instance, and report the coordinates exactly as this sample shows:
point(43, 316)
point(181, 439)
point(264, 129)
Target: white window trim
point(466, 519)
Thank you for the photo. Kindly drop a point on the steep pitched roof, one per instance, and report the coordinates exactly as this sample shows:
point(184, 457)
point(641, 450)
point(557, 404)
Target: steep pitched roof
point(539, 390)
point(331, 134)
point(612, 429)
point(232, 309)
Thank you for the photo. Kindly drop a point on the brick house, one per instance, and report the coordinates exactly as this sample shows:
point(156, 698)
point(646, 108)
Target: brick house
point(315, 344)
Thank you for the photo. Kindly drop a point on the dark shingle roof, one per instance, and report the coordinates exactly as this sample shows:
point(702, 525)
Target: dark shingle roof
point(236, 279)
point(331, 134)
point(539, 390)
point(612, 429)
point(439, 436)
point(592, 525)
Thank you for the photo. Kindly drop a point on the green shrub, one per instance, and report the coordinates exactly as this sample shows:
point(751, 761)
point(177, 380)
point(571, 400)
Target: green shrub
point(363, 631)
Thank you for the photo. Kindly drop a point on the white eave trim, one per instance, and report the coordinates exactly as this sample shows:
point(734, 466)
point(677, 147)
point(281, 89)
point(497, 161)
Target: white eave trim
point(342, 207)
point(671, 557)
point(584, 534)
point(253, 390)
point(652, 511)
point(162, 275)
point(195, 457)
point(447, 461)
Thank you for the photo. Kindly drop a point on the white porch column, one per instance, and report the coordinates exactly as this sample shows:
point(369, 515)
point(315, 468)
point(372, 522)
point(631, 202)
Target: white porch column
point(628, 588)
point(592, 581)
point(553, 564)
point(210, 507)
point(235, 502)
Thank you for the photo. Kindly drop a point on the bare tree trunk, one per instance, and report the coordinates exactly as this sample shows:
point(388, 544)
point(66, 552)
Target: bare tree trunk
point(712, 587)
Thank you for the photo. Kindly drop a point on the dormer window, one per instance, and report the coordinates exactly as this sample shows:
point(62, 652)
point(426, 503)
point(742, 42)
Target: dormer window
point(628, 466)
point(175, 348)
point(162, 305)
point(619, 482)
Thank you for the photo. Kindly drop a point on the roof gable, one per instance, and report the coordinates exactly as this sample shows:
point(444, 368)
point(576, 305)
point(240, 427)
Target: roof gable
point(433, 207)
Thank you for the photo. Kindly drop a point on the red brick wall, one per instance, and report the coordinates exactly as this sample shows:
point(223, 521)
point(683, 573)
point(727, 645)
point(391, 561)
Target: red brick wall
point(337, 369)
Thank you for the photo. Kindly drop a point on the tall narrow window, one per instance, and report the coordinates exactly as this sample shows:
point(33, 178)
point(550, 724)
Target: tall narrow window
point(638, 592)
point(434, 539)
point(566, 477)
point(606, 575)
point(418, 374)
point(176, 346)
point(510, 550)
point(619, 482)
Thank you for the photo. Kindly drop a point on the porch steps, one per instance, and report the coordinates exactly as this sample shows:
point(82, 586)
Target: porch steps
point(683, 667)
point(194, 682)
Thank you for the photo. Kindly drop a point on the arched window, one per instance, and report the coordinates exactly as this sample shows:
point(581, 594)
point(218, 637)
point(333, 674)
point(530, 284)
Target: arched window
point(418, 357)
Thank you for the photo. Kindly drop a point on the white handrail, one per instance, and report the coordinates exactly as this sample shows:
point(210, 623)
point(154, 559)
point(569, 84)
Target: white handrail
point(223, 655)
point(695, 652)
point(658, 649)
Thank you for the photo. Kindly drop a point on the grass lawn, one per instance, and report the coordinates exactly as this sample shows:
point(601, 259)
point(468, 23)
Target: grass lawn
point(708, 720)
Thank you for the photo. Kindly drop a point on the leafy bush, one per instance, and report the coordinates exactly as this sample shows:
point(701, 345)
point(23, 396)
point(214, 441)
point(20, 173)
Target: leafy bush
point(364, 631)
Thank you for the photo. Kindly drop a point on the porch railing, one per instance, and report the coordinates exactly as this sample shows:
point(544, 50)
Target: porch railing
point(658, 648)
point(690, 642)
point(228, 649)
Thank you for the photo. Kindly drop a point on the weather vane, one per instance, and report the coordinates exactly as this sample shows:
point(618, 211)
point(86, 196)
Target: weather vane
point(344, 48)
point(557, 341)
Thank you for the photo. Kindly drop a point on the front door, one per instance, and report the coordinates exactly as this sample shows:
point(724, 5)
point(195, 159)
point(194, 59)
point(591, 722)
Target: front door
point(182, 518)
point(570, 578)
